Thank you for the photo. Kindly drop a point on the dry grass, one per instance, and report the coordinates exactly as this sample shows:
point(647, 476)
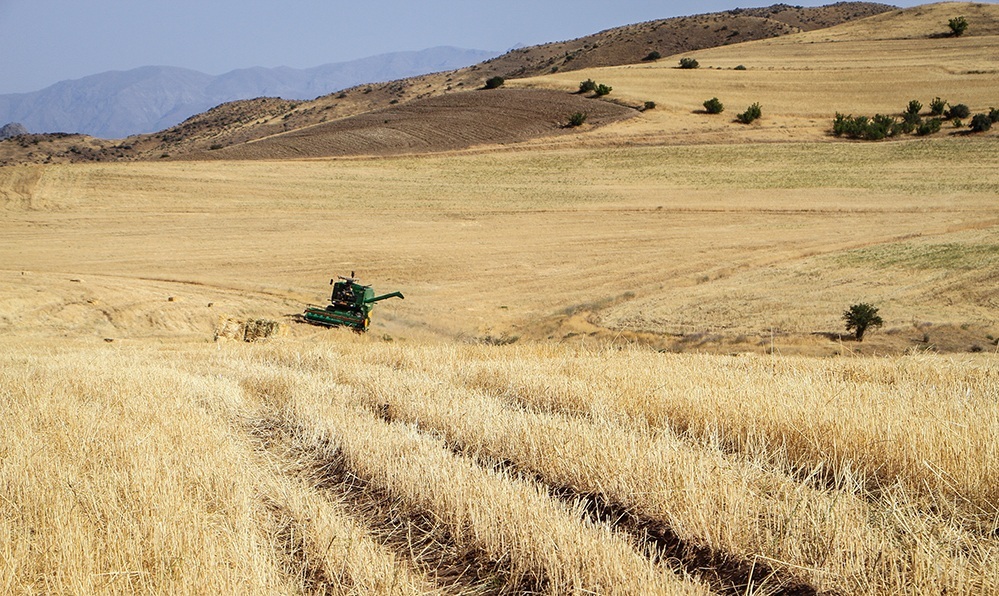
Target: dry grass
point(248, 468)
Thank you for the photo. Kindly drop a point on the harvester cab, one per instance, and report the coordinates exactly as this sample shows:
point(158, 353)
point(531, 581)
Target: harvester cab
point(350, 305)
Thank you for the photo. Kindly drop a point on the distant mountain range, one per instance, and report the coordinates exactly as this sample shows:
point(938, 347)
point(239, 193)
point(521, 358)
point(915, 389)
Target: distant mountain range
point(118, 104)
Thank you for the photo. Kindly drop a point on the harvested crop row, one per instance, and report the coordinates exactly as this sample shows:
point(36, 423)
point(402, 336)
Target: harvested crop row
point(113, 479)
point(121, 476)
point(837, 540)
point(922, 423)
point(541, 543)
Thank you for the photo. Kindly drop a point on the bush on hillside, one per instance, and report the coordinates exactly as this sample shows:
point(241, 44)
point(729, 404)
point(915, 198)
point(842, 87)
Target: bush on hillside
point(937, 107)
point(869, 129)
point(577, 119)
point(981, 123)
point(689, 63)
point(649, 105)
point(495, 82)
point(653, 55)
point(958, 25)
point(602, 90)
point(929, 127)
point(753, 112)
point(994, 115)
point(713, 106)
point(958, 111)
point(914, 107)
point(740, 67)
point(587, 86)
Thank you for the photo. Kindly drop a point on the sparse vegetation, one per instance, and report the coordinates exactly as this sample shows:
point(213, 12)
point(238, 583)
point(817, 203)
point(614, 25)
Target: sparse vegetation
point(958, 25)
point(689, 63)
point(869, 129)
point(652, 56)
point(752, 113)
point(740, 67)
point(994, 115)
point(649, 105)
point(587, 86)
point(861, 317)
point(714, 106)
point(602, 90)
point(495, 82)
point(577, 119)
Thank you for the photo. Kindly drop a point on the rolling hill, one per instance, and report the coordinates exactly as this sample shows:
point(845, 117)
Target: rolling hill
point(240, 122)
point(118, 104)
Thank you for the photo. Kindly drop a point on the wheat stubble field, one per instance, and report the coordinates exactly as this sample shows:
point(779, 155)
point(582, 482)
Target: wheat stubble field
point(618, 368)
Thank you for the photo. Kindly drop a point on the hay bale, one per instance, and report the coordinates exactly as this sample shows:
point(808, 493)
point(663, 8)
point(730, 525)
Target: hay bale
point(248, 330)
point(260, 329)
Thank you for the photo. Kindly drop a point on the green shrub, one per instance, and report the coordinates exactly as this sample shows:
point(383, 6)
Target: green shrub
point(577, 119)
point(689, 63)
point(958, 25)
point(914, 107)
point(957, 123)
point(495, 82)
point(860, 317)
point(981, 123)
point(587, 86)
point(937, 107)
point(650, 105)
point(653, 55)
point(958, 111)
point(929, 127)
point(602, 90)
point(994, 115)
point(740, 67)
point(869, 129)
point(753, 112)
point(713, 106)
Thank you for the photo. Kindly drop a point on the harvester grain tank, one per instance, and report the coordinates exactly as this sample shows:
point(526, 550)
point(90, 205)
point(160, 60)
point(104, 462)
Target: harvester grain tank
point(350, 305)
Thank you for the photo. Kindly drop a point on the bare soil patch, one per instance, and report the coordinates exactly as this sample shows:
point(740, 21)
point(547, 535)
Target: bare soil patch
point(444, 123)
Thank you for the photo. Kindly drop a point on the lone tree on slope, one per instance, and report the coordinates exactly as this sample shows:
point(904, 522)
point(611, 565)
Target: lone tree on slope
point(861, 316)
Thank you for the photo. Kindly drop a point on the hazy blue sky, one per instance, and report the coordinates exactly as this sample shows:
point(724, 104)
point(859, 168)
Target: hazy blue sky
point(46, 41)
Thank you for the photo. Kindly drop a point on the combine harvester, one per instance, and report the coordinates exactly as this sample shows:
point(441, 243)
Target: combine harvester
point(350, 305)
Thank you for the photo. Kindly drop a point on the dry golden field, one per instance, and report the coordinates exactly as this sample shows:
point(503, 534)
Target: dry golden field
point(619, 368)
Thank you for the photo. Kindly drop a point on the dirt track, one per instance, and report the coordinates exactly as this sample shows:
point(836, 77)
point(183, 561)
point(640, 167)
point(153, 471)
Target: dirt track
point(445, 123)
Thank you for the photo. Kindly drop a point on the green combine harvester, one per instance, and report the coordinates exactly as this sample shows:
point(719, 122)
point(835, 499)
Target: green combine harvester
point(350, 305)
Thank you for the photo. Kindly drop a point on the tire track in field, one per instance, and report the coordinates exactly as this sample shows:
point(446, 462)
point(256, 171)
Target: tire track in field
point(726, 575)
point(416, 537)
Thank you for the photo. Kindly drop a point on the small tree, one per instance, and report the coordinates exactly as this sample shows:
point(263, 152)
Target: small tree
point(689, 63)
point(653, 55)
point(602, 90)
point(495, 82)
point(860, 317)
point(753, 112)
point(914, 107)
point(994, 115)
point(958, 25)
point(587, 86)
point(713, 106)
point(937, 107)
point(981, 123)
